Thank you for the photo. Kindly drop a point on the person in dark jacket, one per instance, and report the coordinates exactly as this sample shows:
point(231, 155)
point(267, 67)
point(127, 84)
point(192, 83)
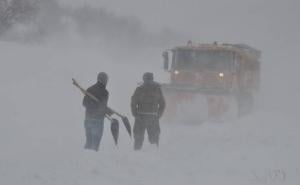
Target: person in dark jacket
point(95, 112)
point(147, 106)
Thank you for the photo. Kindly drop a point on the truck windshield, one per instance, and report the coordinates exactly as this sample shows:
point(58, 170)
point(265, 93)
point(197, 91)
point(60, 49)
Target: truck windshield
point(205, 59)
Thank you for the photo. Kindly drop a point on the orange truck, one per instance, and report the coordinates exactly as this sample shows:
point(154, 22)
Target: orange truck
point(224, 75)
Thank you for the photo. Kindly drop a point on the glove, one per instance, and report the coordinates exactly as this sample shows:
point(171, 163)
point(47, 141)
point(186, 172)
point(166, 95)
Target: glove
point(109, 111)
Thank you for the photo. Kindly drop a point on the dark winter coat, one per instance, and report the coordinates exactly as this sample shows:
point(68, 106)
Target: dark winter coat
point(94, 109)
point(148, 99)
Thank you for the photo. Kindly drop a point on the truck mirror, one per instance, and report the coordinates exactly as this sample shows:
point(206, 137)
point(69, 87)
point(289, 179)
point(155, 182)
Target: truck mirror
point(166, 60)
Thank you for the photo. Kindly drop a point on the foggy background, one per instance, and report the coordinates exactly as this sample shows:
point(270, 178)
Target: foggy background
point(270, 26)
point(41, 132)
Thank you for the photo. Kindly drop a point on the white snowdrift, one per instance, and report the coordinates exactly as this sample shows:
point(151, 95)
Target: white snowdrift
point(42, 136)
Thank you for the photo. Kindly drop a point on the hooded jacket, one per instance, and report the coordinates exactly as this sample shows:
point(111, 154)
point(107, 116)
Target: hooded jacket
point(148, 99)
point(96, 110)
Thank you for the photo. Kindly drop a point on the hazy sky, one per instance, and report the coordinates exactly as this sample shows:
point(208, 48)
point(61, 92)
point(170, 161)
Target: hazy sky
point(232, 20)
point(269, 25)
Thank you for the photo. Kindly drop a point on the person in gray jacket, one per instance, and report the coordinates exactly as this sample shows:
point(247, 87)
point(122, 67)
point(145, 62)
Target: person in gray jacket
point(147, 106)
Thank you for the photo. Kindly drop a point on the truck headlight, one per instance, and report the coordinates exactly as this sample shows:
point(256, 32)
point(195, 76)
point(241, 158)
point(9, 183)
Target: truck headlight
point(221, 75)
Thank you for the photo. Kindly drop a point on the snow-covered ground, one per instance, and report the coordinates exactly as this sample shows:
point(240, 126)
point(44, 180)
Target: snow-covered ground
point(42, 135)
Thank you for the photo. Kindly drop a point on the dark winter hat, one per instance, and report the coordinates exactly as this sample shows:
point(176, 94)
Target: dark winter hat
point(148, 77)
point(102, 78)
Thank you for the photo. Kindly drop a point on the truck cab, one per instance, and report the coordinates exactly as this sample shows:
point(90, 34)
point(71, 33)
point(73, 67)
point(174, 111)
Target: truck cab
point(214, 70)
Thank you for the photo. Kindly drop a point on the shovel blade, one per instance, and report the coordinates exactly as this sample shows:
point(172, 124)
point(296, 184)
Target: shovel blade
point(114, 127)
point(127, 125)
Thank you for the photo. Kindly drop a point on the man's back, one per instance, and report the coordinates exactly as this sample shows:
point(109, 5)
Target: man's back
point(96, 109)
point(148, 99)
point(147, 106)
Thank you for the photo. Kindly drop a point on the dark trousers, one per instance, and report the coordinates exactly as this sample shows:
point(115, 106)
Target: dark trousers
point(149, 124)
point(93, 132)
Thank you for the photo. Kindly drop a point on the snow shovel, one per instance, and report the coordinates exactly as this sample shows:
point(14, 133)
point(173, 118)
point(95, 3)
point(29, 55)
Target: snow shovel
point(124, 120)
point(114, 128)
